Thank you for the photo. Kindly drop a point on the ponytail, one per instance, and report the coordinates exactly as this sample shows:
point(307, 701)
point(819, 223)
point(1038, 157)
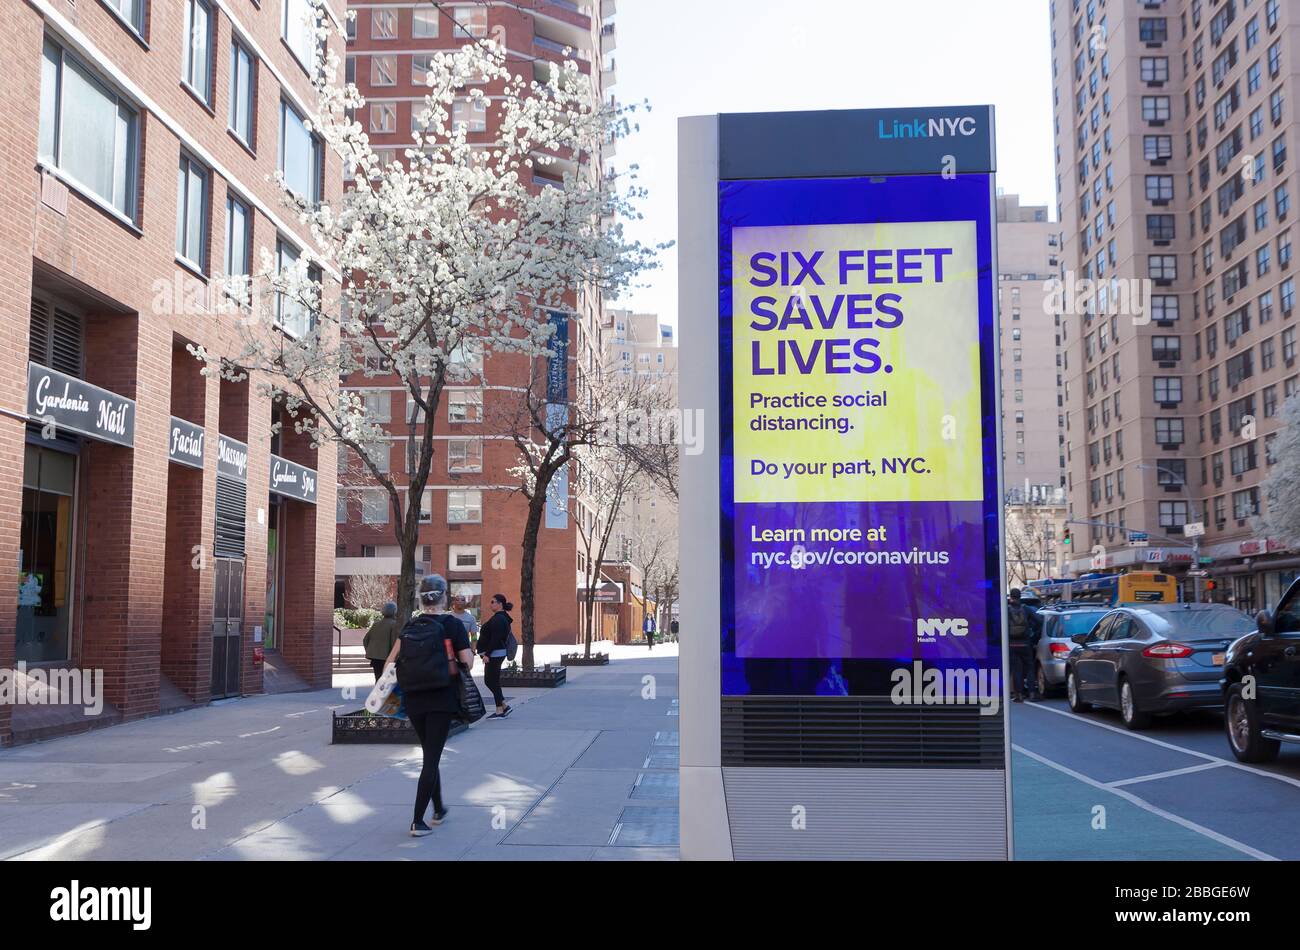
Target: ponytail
point(505, 604)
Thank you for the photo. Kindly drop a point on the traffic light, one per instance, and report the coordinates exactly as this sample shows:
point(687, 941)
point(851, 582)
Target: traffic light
point(1066, 539)
point(1209, 585)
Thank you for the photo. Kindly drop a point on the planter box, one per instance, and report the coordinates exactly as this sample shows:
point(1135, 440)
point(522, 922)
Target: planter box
point(577, 659)
point(360, 727)
point(546, 677)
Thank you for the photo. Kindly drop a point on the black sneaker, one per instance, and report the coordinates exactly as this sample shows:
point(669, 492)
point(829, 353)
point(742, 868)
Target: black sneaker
point(438, 817)
point(506, 712)
point(419, 829)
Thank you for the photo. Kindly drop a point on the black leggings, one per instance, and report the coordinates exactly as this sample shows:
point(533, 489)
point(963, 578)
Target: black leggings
point(492, 678)
point(378, 667)
point(432, 729)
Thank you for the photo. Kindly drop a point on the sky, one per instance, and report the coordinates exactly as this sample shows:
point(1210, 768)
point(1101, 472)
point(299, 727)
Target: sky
point(696, 57)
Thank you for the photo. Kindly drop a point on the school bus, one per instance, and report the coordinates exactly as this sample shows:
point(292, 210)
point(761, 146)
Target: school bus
point(1108, 590)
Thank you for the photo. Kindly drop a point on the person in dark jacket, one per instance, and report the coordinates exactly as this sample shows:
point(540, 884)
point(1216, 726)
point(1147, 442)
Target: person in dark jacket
point(493, 638)
point(1022, 625)
point(379, 639)
point(432, 710)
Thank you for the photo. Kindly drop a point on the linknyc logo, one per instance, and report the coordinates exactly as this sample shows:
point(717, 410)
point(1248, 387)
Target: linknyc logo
point(946, 127)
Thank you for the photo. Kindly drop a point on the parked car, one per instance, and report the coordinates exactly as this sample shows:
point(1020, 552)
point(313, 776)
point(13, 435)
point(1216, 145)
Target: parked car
point(1060, 623)
point(1261, 683)
point(1154, 659)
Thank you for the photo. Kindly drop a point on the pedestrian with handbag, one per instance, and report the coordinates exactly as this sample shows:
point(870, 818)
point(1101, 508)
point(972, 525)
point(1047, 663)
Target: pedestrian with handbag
point(494, 645)
point(430, 655)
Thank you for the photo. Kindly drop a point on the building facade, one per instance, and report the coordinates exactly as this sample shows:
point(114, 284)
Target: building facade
point(473, 512)
point(151, 545)
point(1033, 413)
point(1175, 123)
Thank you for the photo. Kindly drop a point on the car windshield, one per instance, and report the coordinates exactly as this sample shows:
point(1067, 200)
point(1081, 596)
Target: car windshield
point(1202, 624)
point(1080, 621)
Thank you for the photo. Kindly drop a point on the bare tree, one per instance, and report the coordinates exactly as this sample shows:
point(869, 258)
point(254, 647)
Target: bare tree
point(369, 591)
point(608, 476)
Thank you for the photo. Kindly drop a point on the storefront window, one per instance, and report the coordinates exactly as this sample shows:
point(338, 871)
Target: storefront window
point(472, 592)
point(45, 556)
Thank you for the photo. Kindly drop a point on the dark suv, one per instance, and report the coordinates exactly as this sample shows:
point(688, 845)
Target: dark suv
point(1261, 683)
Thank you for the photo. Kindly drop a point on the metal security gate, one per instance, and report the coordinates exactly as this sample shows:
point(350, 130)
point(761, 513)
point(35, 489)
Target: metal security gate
point(227, 619)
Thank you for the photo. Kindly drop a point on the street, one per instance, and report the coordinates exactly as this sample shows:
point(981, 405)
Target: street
point(1173, 791)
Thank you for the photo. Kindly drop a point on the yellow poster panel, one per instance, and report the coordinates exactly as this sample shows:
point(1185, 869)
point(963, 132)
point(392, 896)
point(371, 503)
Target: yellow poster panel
point(856, 363)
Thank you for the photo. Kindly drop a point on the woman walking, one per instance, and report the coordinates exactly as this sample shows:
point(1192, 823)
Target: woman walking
point(426, 655)
point(493, 641)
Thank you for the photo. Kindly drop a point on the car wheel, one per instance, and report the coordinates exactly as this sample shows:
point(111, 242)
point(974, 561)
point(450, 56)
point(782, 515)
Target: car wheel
point(1241, 721)
point(1072, 694)
point(1133, 717)
point(1040, 681)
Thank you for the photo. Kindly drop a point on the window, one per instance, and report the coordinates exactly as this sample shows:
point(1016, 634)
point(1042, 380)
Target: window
point(131, 12)
point(465, 455)
point(380, 454)
point(1245, 504)
point(1242, 458)
point(242, 95)
point(300, 155)
point(1168, 389)
point(191, 212)
point(383, 24)
point(88, 132)
point(1153, 29)
point(464, 507)
point(1164, 307)
point(1165, 348)
point(1155, 108)
point(464, 405)
point(341, 508)
point(298, 28)
point(383, 117)
point(1173, 514)
point(421, 63)
point(374, 506)
point(1171, 472)
point(1155, 68)
point(424, 23)
point(426, 508)
point(1160, 187)
point(383, 70)
point(238, 238)
point(1169, 431)
point(291, 315)
point(196, 66)
point(378, 405)
point(470, 20)
point(469, 113)
point(1163, 266)
point(1160, 227)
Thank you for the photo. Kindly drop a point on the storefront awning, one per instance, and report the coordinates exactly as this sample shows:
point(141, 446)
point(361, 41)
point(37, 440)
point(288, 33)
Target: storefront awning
point(75, 405)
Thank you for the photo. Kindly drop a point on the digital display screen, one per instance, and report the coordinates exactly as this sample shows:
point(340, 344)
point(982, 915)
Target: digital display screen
point(859, 446)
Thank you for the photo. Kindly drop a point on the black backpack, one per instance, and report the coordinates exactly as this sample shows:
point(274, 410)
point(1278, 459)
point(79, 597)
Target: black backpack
point(422, 662)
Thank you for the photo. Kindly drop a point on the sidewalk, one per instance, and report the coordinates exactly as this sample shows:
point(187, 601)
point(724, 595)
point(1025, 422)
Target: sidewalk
point(585, 771)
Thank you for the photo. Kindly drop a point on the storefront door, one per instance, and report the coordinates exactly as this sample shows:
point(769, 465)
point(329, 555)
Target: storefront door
point(45, 556)
point(227, 620)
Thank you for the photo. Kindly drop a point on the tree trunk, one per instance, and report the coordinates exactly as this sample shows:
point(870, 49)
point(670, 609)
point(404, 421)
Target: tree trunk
point(589, 609)
point(406, 584)
point(536, 508)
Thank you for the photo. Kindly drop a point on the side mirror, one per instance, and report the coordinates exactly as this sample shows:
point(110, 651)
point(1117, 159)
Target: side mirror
point(1264, 620)
point(1080, 638)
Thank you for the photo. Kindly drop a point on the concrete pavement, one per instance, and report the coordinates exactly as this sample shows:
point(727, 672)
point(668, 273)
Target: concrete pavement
point(586, 771)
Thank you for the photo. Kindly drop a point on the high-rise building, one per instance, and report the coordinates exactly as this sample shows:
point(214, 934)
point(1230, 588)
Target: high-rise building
point(644, 537)
point(473, 512)
point(1033, 415)
point(152, 542)
point(1175, 123)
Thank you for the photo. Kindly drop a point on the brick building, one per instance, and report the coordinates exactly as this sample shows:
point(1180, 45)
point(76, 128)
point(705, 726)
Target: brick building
point(474, 516)
point(1175, 123)
point(138, 139)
